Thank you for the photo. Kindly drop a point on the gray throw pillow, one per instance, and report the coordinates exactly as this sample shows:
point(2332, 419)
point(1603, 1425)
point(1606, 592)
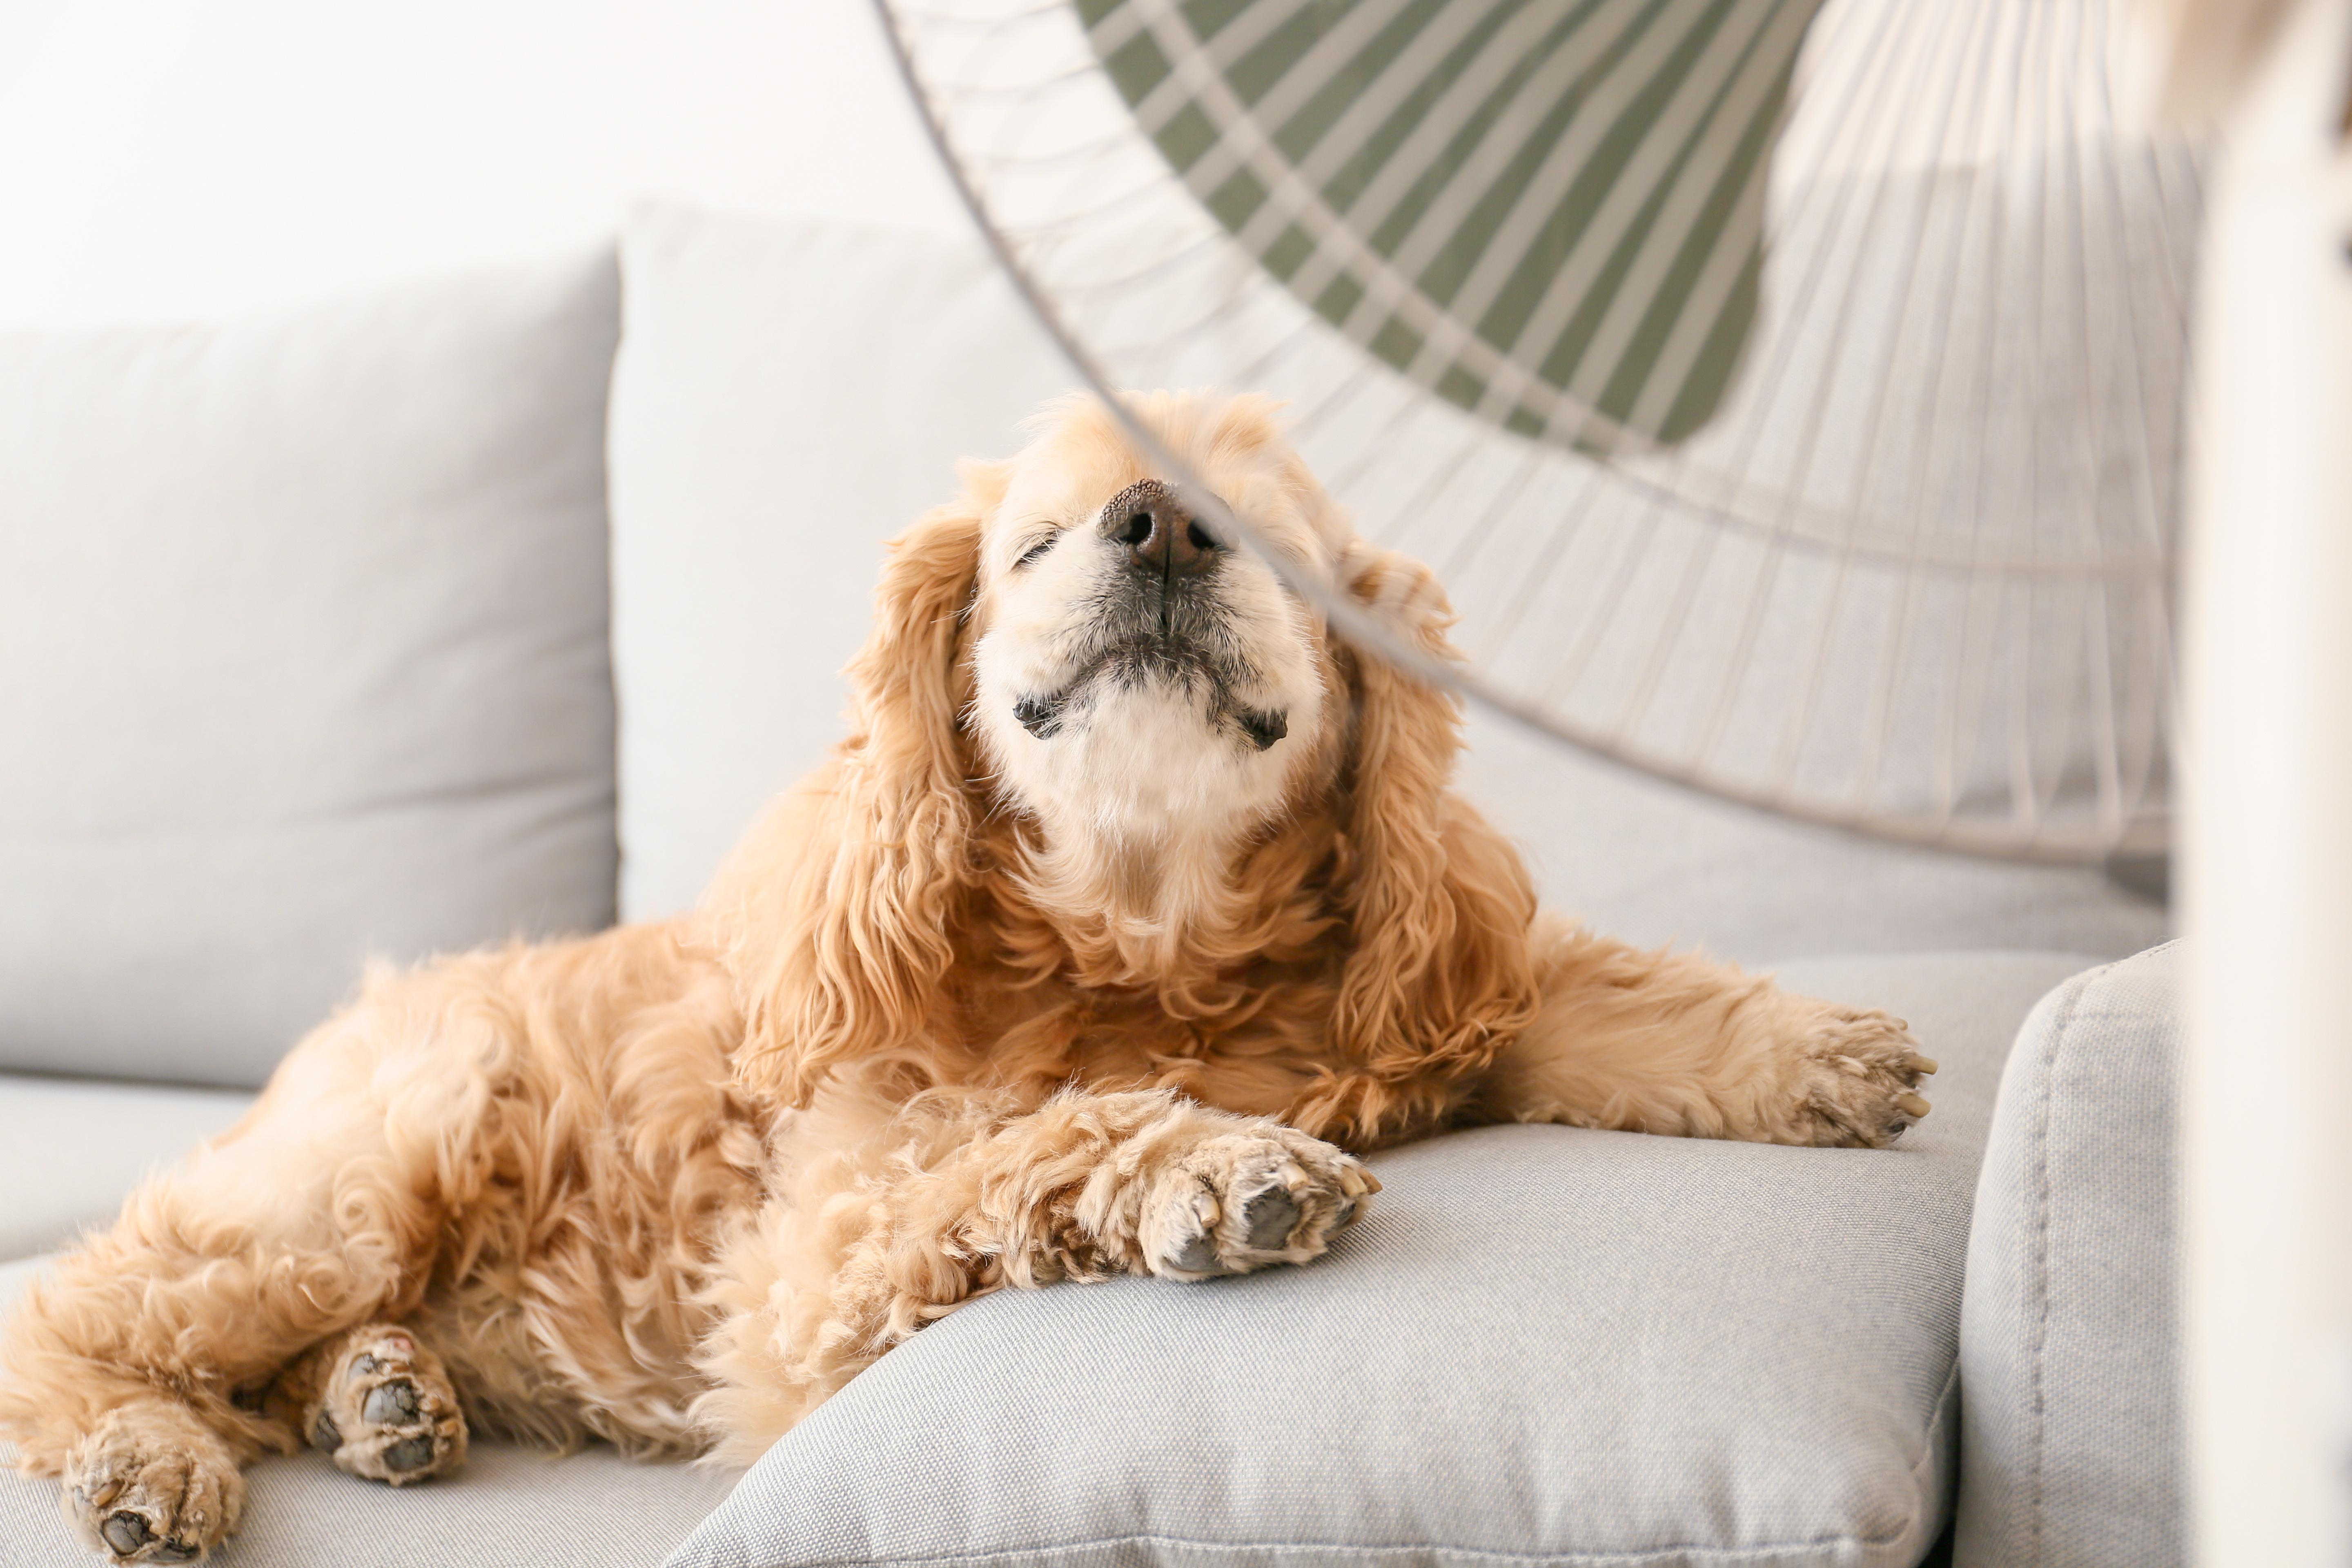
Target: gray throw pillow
point(302, 658)
point(1544, 1345)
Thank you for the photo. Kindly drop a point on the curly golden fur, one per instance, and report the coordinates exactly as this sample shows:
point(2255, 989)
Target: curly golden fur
point(1133, 907)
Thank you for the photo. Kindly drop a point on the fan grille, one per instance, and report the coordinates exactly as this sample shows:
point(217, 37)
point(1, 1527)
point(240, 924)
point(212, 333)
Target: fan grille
point(1913, 576)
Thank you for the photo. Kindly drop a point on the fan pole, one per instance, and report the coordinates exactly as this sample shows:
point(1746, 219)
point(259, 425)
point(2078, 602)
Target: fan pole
point(2267, 1103)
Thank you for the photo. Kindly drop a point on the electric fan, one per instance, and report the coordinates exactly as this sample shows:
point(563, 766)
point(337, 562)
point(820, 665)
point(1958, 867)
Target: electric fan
point(1788, 394)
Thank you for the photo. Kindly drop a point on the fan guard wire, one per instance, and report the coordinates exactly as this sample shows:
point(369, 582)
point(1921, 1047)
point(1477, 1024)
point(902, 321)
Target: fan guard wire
point(1966, 643)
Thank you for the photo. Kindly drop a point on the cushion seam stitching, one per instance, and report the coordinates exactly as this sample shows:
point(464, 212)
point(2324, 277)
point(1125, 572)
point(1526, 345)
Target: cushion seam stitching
point(1488, 1554)
point(2038, 1445)
point(1631, 1554)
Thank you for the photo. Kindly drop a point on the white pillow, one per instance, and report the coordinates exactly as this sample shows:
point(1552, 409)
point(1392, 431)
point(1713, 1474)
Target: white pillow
point(302, 658)
point(790, 396)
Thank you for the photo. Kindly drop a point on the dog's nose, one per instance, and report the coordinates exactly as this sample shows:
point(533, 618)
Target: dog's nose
point(1161, 536)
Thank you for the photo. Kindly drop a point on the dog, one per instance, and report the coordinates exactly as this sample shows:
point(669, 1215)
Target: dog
point(1135, 908)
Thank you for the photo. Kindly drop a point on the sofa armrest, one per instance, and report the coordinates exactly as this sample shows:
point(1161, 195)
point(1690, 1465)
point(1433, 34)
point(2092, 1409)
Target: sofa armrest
point(2071, 1448)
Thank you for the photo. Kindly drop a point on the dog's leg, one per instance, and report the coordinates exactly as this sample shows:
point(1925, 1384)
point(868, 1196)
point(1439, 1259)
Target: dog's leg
point(377, 1400)
point(941, 1204)
point(1653, 1042)
point(138, 1371)
point(138, 1368)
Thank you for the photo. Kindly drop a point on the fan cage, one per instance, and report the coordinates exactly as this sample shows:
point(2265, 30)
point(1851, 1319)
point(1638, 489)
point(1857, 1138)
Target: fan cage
point(1916, 580)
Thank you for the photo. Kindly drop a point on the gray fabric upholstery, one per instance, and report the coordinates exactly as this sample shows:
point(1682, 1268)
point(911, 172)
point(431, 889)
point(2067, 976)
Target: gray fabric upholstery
point(70, 1148)
point(305, 625)
point(2073, 1451)
point(1653, 864)
point(510, 1508)
point(1544, 1344)
point(514, 1508)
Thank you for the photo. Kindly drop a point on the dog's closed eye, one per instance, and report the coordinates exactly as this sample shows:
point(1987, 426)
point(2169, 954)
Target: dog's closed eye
point(1037, 549)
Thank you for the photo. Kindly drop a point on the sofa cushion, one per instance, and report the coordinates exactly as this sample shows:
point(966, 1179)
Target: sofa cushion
point(2070, 1342)
point(70, 1150)
point(511, 1507)
point(305, 625)
point(789, 395)
point(1543, 1344)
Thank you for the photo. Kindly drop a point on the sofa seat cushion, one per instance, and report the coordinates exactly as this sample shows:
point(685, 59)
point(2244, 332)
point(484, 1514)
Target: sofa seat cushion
point(70, 1148)
point(1543, 1344)
point(511, 1507)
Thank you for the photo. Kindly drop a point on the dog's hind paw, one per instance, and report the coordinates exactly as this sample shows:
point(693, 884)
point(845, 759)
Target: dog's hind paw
point(383, 1408)
point(1244, 1200)
point(153, 1484)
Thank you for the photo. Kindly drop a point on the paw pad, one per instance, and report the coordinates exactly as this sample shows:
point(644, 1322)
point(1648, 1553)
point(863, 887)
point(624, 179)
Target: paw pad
point(387, 1413)
point(408, 1454)
point(1244, 1200)
point(128, 1533)
point(1197, 1255)
point(391, 1404)
point(1271, 1217)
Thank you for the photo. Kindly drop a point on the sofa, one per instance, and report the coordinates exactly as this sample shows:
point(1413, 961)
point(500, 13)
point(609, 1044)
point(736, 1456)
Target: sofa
point(493, 606)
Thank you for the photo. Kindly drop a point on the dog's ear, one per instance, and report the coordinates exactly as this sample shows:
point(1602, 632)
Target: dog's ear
point(834, 916)
point(1438, 904)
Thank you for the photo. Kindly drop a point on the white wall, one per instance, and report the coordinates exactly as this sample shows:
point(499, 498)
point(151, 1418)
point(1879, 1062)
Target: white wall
point(162, 159)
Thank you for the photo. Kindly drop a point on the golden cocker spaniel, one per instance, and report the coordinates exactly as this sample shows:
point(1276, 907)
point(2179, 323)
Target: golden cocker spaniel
point(1133, 907)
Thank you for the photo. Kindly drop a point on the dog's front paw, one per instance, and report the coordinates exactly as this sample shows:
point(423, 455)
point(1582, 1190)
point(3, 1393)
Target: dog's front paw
point(384, 1409)
point(153, 1484)
point(1242, 1200)
point(1855, 1077)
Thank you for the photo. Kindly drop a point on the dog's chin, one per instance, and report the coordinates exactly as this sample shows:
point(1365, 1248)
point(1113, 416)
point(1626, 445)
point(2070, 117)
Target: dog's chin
point(1155, 763)
point(1125, 672)
point(1048, 717)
